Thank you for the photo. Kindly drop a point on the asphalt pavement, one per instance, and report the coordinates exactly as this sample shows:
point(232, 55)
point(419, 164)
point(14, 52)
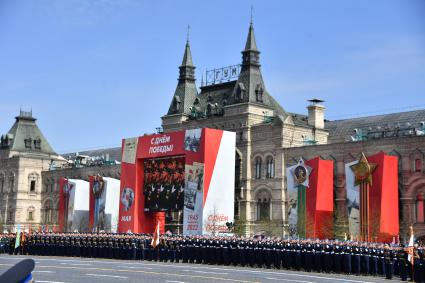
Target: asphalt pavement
point(70, 270)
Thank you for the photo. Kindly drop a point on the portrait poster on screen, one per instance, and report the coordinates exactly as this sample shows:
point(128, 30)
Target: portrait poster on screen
point(164, 184)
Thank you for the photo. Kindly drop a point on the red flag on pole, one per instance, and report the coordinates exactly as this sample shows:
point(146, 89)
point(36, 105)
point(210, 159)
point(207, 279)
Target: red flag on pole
point(155, 239)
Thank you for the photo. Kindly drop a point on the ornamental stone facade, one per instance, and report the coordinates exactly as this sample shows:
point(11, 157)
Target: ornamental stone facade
point(24, 155)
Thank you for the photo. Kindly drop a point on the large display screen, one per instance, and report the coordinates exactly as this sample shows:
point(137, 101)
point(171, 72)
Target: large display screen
point(163, 185)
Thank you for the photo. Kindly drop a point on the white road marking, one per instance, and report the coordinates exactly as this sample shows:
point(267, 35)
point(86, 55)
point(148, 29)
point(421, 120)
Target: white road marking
point(103, 275)
point(78, 264)
point(171, 281)
point(49, 281)
point(206, 272)
point(288, 280)
point(135, 267)
point(43, 271)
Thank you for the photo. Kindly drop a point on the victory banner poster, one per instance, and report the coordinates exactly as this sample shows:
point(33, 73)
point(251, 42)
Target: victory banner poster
point(219, 181)
point(193, 199)
point(210, 175)
point(73, 205)
point(190, 171)
point(298, 182)
point(104, 203)
point(310, 198)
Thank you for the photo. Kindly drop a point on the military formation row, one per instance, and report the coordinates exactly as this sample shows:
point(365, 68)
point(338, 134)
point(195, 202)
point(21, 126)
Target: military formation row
point(359, 258)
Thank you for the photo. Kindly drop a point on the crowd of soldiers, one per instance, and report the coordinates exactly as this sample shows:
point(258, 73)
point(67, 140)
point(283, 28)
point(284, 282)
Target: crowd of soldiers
point(328, 256)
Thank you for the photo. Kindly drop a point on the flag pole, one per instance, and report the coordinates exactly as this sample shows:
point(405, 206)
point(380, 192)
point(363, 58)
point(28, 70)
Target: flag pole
point(412, 252)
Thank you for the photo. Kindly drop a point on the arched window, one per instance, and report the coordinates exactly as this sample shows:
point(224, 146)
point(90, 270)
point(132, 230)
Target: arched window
point(11, 182)
point(240, 92)
point(420, 208)
point(32, 182)
point(263, 206)
point(258, 168)
point(270, 167)
point(2, 182)
point(176, 103)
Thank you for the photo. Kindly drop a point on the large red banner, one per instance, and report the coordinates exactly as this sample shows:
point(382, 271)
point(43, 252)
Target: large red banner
point(383, 195)
point(319, 199)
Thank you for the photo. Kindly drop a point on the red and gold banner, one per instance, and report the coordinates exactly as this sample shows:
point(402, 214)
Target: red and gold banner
point(372, 194)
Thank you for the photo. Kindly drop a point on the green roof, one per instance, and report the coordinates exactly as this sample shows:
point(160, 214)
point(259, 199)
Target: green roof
point(25, 136)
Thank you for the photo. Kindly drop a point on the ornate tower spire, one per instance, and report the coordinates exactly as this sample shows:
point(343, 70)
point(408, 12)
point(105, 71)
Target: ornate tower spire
point(250, 55)
point(250, 86)
point(187, 70)
point(186, 91)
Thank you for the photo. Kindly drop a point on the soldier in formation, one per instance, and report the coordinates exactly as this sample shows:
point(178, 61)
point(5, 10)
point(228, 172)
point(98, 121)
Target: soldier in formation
point(327, 256)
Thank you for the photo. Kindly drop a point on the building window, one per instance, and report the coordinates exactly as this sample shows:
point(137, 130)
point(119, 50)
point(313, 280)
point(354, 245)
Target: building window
point(418, 165)
point(240, 92)
point(10, 216)
point(259, 93)
point(238, 167)
point(176, 103)
point(237, 210)
point(32, 186)
point(28, 142)
point(11, 182)
point(270, 167)
point(2, 179)
point(263, 206)
point(263, 209)
point(30, 213)
point(37, 144)
point(32, 181)
point(48, 215)
point(258, 168)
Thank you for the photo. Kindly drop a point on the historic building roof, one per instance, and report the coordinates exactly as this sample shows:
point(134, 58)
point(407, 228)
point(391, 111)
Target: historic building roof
point(248, 88)
point(374, 127)
point(186, 92)
point(25, 136)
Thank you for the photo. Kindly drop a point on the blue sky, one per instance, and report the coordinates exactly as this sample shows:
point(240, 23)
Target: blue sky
point(96, 71)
